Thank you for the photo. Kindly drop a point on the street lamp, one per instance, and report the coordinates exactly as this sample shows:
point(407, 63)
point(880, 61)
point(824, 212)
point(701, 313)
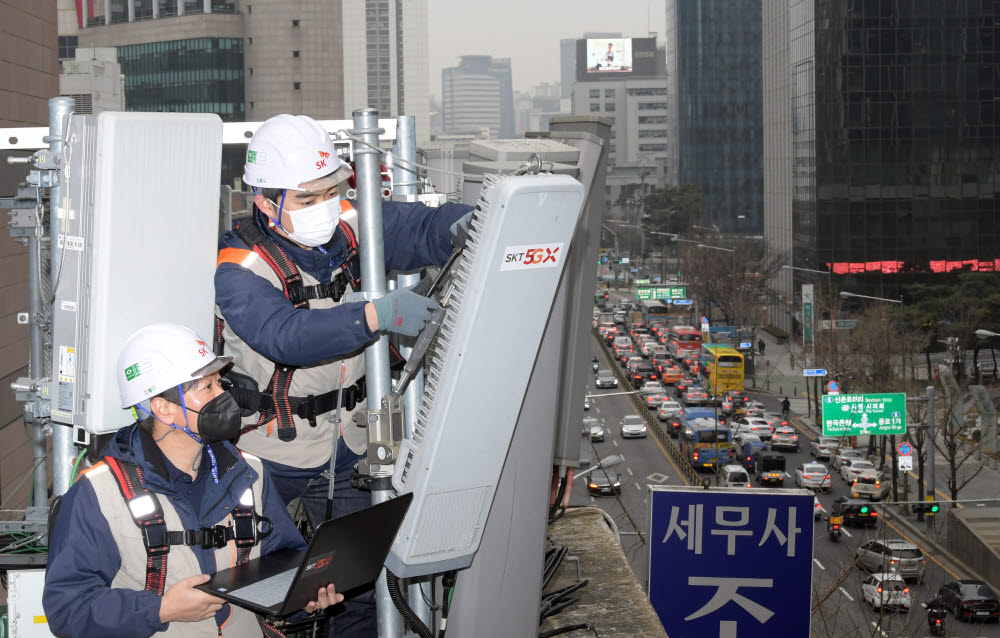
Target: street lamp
point(615, 235)
point(606, 462)
point(844, 295)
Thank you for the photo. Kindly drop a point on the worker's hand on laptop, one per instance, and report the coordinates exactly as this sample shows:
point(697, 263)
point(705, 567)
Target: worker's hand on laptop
point(182, 602)
point(325, 597)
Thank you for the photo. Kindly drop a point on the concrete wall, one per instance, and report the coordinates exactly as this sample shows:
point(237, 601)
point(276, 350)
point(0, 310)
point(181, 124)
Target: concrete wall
point(974, 538)
point(28, 78)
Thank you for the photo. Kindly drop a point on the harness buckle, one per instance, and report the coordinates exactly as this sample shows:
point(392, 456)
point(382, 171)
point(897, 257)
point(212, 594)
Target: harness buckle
point(214, 537)
point(154, 537)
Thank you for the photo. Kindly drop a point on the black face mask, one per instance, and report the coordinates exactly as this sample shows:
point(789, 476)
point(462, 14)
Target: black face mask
point(219, 419)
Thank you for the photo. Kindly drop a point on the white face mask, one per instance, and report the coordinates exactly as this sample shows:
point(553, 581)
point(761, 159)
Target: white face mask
point(314, 225)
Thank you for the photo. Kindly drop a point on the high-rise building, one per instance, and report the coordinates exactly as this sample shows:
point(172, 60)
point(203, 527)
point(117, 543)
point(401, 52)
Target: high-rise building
point(714, 96)
point(393, 76)
point(29, 61)
point(478, 94)
point(242, 60)
point(567, 60)
point(886, 164)
point(628, 86)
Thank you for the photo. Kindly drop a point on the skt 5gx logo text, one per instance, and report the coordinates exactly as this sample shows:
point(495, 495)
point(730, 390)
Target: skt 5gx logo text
point(531, 257)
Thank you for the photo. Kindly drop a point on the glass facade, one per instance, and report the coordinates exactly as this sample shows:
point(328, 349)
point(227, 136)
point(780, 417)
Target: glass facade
point(896, 161)
point(715, 92)
point(201, 75)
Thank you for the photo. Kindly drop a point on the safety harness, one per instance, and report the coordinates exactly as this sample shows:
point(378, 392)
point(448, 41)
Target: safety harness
point(274, 402)
point(147, 514)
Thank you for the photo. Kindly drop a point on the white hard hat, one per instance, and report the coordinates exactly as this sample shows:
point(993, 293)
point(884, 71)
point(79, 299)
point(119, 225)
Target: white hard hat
point(162, 356)
point(289, 150)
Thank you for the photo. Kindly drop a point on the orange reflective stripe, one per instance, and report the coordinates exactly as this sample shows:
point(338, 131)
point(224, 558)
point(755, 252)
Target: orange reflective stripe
point(81, 473)
point(236, 256)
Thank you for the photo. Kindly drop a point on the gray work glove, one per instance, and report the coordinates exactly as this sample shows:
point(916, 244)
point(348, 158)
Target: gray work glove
point(404, 311)
point(460, 230)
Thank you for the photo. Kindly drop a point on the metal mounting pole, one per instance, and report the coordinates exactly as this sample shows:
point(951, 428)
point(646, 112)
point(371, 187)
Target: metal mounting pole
point(372, 253)
point(60, 109)
point(931, 433)
point(404, 178)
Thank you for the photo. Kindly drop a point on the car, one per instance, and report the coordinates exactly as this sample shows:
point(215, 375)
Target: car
point(695, 395)
point(660, 360)
point(668, 408)
point(623, 342)
point(633, 362)
point(755, 425)
point(593, 428)
point(854, 511)
point(633, 427)
point(730, 400)
point(620, 316)
point(774, 420)
point(898, 556)
point(823, 446)
point(869, 484)
point(818, 510)
point(682, 385)
point(885, 591)
point(748, 455)
point(671, 374)
point(586, 403)
point(838, 456)
point(610, 334)
point(601, 484)
point(642, 373)
point(653, 401)
point(656, 349)
point(813, 476)
point(652, 387)
point(769, 468)
point(735, 476)
point(646, 346)
point(851, 468)
point(755, 407)
point(606, 379)
point(970, 600)
point(743, 436)
point(785, 438)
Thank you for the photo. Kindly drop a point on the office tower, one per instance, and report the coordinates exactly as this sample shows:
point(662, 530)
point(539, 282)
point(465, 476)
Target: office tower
point(714, 93)
point(391, 76)
point(884, 169)
point(477, 96)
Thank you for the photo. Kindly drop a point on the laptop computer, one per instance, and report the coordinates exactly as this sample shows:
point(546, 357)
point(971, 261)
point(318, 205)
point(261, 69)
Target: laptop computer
point(348, 552)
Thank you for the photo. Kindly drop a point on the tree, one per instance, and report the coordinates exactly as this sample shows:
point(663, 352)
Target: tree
point(955, 432)
point(954, 310)
point(734, 280)
point(673, 210)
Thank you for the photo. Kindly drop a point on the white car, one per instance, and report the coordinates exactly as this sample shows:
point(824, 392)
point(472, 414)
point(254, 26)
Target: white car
point(744, 436)
point(813, 476)
point(652, 387)
point(853, 467)
point(586, 403)
point(735, 476)
point(823, 446)
point(606, 379)
point(884, 591)
point(818, 510)
point(633, 427)
point(668, 409)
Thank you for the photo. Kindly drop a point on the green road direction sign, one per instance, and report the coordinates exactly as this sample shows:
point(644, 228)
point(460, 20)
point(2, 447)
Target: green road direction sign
point(854, 414)
point(661, 292)
point(642, 281)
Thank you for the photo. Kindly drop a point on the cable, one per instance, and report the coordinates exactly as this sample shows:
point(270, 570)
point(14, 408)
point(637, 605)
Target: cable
point(417, 625)
point(76, 465)
point(448, 587)
point(568, 628)
point(31, 473)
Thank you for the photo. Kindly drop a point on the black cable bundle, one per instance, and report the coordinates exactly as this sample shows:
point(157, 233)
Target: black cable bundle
point(392, 584)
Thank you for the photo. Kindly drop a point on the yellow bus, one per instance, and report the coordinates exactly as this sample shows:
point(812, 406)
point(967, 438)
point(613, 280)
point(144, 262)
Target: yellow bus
point(722, 368)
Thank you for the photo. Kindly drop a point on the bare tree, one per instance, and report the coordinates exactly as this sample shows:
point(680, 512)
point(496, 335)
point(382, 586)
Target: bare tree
point(955, 432)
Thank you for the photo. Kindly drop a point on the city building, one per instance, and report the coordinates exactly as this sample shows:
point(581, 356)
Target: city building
point(883, 168)
point(29, 61)
point(567, 60)
point(634, 97)
point(715, 107)
point(477, 94)
point(534, 107)
point(393, 79)
point(93, 78)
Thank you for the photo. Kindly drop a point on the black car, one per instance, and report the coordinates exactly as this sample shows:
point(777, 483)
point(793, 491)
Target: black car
point(681, 386)
point(970, 600)
point(854, 511)
point(601, 485)
point(644, 372)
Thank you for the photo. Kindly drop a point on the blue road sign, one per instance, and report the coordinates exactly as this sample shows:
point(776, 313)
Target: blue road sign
point(731, 562)
point(667, 301)
point(904, 449)
point(682, 302)
point(813, 372)
point(833, 387)
point(635, 270)
point(746, 344)
point(704, 319)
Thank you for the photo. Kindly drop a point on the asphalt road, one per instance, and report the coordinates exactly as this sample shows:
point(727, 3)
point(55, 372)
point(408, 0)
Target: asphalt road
point(838, 610)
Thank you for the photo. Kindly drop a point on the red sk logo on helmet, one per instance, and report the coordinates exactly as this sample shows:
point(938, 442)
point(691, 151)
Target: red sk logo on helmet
point(202, 348)
point(323, 156)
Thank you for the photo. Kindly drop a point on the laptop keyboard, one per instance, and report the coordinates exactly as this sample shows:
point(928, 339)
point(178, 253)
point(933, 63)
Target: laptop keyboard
point(268, 592)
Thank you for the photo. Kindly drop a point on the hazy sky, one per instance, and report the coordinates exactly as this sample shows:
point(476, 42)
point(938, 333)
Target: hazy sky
point(528, 31)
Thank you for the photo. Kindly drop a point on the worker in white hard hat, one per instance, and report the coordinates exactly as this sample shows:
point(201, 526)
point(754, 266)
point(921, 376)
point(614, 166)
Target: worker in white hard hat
point(279, 284)
point(171, 502)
